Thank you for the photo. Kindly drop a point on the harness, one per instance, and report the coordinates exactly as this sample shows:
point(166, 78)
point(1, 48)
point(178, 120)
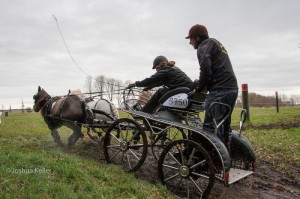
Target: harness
point(46, 110)
point(49, 106)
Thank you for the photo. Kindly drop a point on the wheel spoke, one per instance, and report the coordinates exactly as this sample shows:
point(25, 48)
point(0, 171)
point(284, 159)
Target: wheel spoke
point(171, 177)
point(191, 156)
point(196, 185)
point(134, 154)
point(114, 155)
point(174, 158)
point(170, 167)
point(198, 164)
point(129, 163)
point(126, 134)
point(186, 168)
point(200, 175)
point(113, 146)
point(117, 149)
point(164, 137)
point(115, 137)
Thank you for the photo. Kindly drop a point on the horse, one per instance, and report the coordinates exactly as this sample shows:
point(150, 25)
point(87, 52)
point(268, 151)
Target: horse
point(71, 111)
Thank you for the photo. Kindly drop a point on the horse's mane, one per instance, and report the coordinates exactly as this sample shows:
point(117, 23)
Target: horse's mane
point(78, 93)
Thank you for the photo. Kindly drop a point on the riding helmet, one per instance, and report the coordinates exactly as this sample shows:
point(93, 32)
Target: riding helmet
point(197, 30)
point(158, 60)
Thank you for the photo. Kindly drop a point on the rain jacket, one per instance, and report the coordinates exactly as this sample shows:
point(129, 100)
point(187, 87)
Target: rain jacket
point(215, 67)
point(169, 76)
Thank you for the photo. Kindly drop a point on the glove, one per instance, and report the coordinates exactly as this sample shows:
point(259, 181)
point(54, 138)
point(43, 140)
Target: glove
point(131, 85)
point(146, 88)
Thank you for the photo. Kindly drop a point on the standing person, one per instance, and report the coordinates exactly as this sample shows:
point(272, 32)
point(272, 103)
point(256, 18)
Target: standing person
point(217, 76)
point(167, 75)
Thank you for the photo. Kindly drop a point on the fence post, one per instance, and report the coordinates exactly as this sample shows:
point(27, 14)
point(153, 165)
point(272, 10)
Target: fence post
point(277, 103)
point(245, 99)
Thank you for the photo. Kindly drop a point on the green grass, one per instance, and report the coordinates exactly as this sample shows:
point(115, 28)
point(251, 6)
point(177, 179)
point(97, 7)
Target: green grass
point(278, 146)
point(267, 116)
point(271, 139)
point(32, 166)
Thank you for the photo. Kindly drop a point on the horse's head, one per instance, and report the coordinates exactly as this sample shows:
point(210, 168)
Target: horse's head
point(40, 99)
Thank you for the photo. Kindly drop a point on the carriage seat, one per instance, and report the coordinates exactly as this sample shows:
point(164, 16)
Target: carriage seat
point(178, 98)
point(173, 92)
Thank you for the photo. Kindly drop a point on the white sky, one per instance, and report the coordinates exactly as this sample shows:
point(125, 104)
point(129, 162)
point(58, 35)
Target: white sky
point(120, 39)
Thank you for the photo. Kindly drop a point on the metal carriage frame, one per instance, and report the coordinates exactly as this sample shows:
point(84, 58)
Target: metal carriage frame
point(190, 158)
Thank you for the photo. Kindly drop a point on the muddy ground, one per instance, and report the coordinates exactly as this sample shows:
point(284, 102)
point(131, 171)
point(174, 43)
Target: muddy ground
point(267, 182)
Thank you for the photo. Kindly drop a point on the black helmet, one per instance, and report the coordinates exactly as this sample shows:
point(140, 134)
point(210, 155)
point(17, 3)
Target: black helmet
point(197, 30)
point(158, 60)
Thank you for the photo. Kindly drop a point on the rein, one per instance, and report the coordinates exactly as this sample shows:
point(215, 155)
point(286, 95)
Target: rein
point(47, 107)
point(102, 92)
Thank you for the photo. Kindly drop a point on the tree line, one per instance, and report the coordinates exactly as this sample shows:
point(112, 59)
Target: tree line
point(105, 88)
point(257, 100)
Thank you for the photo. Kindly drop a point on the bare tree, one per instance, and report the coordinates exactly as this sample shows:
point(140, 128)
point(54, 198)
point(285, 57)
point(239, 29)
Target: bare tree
point(127, 82)
point(118, 93)
point(88, 84)
point(110, 87)
point(99, 84)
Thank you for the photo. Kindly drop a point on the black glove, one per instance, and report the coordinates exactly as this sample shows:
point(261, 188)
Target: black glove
point(131, 85)
point(146, 88)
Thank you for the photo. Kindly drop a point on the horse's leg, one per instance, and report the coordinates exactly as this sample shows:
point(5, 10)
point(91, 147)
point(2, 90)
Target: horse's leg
point(56, 137)
point(75, 135)
point(71, 140)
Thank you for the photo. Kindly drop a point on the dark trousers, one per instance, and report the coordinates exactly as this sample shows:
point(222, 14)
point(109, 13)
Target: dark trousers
point(152, 104)
point(226, 96)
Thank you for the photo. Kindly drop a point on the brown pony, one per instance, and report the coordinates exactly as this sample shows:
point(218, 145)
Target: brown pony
point(61, 111)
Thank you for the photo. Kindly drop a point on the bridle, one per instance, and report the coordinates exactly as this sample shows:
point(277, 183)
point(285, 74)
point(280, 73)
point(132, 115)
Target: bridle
point(42, 101)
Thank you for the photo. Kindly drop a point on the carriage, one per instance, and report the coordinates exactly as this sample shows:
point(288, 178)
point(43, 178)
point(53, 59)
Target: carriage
point(190, 159)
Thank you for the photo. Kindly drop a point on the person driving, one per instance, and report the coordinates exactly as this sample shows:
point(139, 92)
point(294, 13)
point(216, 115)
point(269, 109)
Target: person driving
point(167, 75)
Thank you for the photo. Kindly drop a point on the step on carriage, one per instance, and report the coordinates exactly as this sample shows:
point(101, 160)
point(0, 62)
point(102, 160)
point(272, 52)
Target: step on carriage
point(190, 159)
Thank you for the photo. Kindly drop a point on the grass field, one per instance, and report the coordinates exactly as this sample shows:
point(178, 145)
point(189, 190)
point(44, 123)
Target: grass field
point(32, 166)
point(274, 137)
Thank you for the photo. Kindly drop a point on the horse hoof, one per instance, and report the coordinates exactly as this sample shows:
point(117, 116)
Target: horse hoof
point(71, 144)
point(81, 135)
point(59, 143)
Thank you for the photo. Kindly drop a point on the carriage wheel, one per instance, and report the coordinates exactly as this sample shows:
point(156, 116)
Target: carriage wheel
point(186, 169)
point(166, 137)
point(125, 144)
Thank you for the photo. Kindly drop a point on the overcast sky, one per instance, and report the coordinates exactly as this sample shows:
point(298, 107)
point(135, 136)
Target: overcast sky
point(120, 38)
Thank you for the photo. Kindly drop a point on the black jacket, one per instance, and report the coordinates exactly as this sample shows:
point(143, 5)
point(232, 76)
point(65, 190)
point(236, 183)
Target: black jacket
point(215, 67)
point(169, 76)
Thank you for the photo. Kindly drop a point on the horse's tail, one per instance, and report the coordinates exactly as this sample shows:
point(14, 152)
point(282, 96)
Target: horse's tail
point(114, 110)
